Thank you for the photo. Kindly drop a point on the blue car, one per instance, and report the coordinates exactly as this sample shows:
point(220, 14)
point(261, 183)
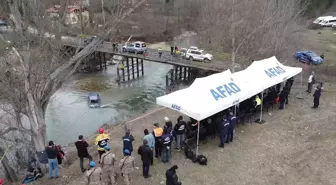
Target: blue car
point(308, 57)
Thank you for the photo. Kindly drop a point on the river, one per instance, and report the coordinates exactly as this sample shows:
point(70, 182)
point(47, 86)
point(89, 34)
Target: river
point(68, 114)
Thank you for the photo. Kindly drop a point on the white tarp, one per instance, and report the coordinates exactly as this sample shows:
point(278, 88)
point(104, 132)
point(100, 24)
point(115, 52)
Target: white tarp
point(206, 96)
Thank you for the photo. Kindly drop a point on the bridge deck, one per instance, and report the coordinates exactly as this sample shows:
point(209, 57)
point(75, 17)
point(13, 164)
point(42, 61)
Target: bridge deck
point(166, 58)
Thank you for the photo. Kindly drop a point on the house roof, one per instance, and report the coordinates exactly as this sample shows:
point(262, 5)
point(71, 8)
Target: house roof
point(57, 8)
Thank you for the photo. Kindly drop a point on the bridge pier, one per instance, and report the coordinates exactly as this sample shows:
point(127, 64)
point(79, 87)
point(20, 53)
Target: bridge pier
point(129, 69)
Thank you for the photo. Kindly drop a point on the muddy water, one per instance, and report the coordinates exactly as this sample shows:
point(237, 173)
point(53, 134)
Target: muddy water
point(68, 114)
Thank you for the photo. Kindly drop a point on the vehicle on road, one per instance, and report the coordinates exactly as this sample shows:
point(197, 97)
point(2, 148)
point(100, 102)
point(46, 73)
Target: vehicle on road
point(183, 52)
point(308, 57)
point(89, 40)
point(193, 48)
point(319, 19)
point(333, 25)
point(198, 55)
point(93, 100)
point(328, 22)
point(135, 47)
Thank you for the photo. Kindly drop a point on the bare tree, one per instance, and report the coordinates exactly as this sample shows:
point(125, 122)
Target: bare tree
point(37, 67)
point(249, 29)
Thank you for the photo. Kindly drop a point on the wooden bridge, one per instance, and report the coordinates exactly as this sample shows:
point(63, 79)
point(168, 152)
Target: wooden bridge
point(132, 65)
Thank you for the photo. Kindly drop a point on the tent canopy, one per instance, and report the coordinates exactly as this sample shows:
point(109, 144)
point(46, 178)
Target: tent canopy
point(217, 92)
point(206, 96)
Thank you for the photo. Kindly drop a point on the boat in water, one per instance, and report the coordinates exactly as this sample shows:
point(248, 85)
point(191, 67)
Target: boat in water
point(94, 100)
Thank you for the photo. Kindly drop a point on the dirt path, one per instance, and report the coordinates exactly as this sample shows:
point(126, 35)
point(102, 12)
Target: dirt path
point(295, 146)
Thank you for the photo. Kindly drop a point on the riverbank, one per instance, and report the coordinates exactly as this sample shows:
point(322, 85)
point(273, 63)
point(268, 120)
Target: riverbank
point(294, 146)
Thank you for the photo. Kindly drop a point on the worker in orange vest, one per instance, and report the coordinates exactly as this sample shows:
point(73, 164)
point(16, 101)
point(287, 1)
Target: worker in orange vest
point(158, 131)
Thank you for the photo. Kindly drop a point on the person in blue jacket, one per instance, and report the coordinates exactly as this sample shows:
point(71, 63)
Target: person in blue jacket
point(127, 142)
point(223, 131)
point(233, 120)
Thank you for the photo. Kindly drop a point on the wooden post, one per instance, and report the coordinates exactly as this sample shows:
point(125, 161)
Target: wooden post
point(118, 74)
point(137, 64)
point(100, 61)
point(123, 70)
point(128, 71)
point(171, 76)
point(184, 73)
point(167, 81)
point(105, 61)
point(180, 72)
point(132, 68)
point(176, 70)
point(142, 67)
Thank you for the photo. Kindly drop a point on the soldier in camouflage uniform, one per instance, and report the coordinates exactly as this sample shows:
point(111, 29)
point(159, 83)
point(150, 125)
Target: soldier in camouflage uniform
point(126, 166)
point(107, 162)
point(94, 174)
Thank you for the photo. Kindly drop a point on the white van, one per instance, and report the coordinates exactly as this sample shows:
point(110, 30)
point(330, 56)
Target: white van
point(328, 22)
point(319, 19)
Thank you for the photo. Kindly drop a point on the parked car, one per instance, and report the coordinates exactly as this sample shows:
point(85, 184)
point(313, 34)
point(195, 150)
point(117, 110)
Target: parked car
point(193, 48)
point(319, 19)
point(198, 55)
point(135, 47)
point(308, 57)
point(328, 22)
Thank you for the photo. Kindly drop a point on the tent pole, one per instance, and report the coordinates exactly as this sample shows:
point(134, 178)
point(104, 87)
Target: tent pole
point(235, 110)
point(261, 106)
point(198, 131)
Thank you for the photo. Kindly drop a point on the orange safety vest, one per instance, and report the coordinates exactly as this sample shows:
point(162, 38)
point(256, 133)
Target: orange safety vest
point(158, 132)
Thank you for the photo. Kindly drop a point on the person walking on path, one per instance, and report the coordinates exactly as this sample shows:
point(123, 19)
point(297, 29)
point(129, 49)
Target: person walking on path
point(171, 176)
point(126, 167)
point(151, 142)
point(82, 151)
point(311, 81)
point(158, 131)
point(51, 151)
point(102, 141)
point(317, 95)
point(93, 175)
point(107, 163)
point(146, 155)
point(179, 130)
point(128, 141)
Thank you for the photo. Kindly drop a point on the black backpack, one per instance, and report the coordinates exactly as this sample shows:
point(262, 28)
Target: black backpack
point(202, 160)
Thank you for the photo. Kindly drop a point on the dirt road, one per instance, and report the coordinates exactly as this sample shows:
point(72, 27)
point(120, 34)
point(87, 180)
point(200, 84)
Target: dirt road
point(295, 146)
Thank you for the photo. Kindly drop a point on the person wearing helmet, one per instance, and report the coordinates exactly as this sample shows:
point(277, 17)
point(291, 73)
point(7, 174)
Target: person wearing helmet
point(102, 141)
point(127, 166)
point(94, 174)
point(107, 163)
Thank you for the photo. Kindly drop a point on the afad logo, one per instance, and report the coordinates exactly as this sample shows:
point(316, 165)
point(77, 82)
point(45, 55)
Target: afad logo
point(176, 107)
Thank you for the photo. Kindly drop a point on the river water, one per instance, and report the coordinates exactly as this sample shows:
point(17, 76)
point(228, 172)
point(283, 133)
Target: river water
point(68, 114)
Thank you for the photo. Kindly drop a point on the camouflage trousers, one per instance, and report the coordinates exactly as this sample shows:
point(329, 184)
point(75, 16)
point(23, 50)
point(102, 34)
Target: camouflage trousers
point(108, 175)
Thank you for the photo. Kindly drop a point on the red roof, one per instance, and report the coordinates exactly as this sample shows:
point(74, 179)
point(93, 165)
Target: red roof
point(56, 8)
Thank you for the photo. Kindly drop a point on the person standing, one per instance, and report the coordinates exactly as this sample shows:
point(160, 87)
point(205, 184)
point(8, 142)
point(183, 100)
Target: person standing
point(102, 141)
point(171, 50)
point(311, 81)
point(146, 155)
point(51, 151)
point(168, 125)
point(171, 176)
point(93, 175)
point(126, 167)
point(158, 131)
point(82, 151)
point(224, 128)
point(166, 145)
point(317, 95)
point(282, 99)
point(151, 142)
point(179, 130)
point(128, 141)
point(233, 121)
point(107, 163)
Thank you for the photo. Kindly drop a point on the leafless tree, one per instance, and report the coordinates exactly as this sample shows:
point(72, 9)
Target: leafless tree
point(249, 29)
point(35, 64)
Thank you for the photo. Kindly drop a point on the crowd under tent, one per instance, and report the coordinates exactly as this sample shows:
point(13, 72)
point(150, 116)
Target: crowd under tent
point(215, 93)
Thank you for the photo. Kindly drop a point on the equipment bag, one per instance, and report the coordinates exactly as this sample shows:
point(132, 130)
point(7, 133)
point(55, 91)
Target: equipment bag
point(202, 160)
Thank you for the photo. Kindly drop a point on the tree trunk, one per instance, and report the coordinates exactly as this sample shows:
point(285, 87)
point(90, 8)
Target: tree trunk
point(9, 171)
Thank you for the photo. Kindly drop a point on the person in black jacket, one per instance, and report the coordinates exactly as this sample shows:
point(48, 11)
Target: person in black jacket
point(82, 151)
point(51, 151)
point(224, 129)
point(146, 156)
point(127, 141)
point(179, 130)
point(166, 145)
point(171, 177)
point(317, 95)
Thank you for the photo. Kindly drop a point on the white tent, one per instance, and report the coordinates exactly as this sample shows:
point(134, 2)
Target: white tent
point(206, 96)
